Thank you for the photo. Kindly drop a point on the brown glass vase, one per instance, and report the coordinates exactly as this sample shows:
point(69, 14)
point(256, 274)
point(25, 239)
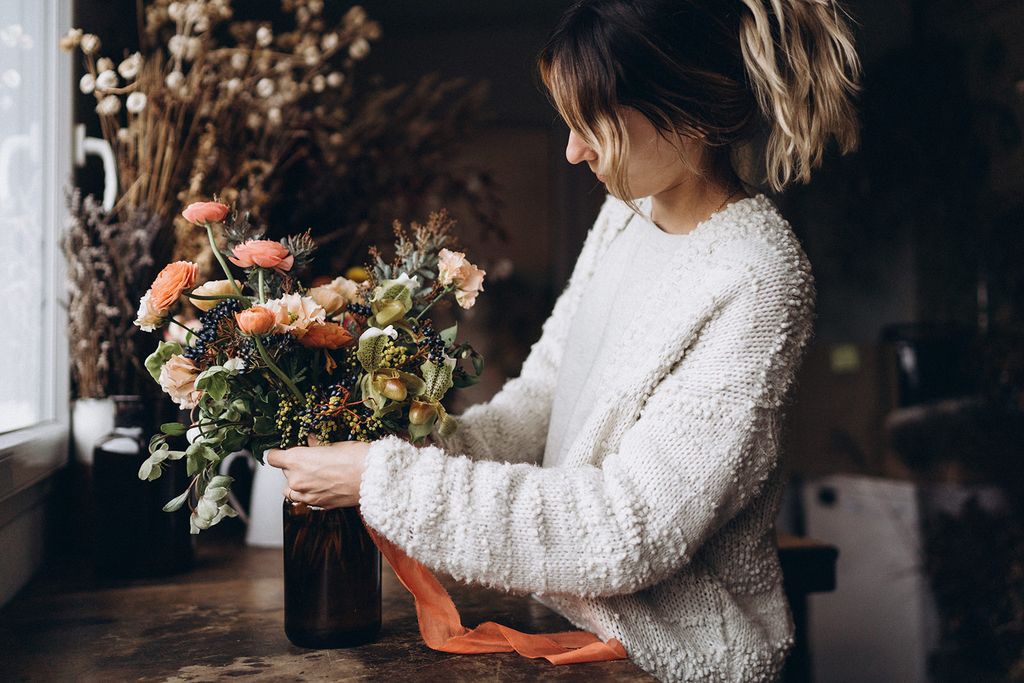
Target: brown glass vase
point(331, 578)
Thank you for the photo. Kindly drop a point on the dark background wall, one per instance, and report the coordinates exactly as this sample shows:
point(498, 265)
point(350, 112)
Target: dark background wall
point(909, 229)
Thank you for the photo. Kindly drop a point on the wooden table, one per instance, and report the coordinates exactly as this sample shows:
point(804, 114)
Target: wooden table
point(225, 618)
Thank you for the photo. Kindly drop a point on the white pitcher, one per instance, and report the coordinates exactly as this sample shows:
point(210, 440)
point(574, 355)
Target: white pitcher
point(264, 519)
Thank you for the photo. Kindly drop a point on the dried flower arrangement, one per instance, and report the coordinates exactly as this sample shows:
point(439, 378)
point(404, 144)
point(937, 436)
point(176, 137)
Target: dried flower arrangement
point(267, 120)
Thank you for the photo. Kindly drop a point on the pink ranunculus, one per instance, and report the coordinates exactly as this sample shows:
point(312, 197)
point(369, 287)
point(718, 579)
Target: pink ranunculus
point(262, 253)
point(199, 213)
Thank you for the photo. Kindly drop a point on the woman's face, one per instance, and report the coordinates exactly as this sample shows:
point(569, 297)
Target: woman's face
point(653, 164)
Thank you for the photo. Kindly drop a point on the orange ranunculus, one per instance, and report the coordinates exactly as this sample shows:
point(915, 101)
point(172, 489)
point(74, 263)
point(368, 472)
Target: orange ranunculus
point(256, 320)
point(262, 253)
point(326, 336)
point(170, 282)
point(205, 212)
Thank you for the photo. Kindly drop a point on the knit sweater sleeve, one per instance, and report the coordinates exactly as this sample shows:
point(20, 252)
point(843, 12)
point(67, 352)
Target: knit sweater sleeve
point(512, 426)
point(702, 448)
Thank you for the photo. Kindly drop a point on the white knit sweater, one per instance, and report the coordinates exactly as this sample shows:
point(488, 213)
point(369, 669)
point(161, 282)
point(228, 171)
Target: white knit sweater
point(656, 525)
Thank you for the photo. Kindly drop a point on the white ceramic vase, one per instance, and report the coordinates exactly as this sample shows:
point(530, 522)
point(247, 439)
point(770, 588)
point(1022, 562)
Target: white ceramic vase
point(264, 519)
point(91, 419)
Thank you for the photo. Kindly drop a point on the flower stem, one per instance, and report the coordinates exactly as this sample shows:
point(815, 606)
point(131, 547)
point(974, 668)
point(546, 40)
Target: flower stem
point(181, 325)
point(446, 290)
point(275, 369)
point(222, 297)
point(220, 259)
point(262, 293)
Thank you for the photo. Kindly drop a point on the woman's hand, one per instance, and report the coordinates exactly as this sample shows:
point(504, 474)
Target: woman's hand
point(326, 476)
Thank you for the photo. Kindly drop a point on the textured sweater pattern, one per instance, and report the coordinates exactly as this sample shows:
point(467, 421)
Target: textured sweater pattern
point(654, 523)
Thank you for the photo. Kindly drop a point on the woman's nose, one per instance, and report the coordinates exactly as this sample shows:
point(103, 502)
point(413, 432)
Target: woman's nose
point(577, 150)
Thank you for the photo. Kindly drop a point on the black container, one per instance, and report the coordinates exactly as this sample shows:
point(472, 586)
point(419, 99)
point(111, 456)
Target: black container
point(332, 592)
point(134, 537)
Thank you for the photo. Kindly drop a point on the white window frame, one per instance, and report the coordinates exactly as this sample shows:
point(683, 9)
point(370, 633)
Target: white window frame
point(31, 454)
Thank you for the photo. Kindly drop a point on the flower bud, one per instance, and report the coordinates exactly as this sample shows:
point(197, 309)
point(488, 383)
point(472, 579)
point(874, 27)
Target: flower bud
point(256, 320)
point(394, 389)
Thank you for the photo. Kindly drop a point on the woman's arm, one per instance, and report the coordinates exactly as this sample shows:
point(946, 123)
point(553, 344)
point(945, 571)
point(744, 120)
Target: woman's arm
point(700, 451)
point(512, 426)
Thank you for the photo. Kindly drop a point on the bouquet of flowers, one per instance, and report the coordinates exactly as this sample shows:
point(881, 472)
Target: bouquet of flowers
point(271, 364)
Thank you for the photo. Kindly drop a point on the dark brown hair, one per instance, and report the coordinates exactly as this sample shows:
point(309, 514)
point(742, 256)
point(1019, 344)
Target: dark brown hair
point(726, 72)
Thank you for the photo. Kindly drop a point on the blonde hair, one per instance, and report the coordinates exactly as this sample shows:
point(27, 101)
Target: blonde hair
point(725, 72)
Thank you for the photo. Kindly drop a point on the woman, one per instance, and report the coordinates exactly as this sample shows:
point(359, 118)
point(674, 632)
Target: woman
point(629, 477)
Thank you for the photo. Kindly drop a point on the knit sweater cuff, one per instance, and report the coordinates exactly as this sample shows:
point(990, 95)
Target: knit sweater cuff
point(384, 492)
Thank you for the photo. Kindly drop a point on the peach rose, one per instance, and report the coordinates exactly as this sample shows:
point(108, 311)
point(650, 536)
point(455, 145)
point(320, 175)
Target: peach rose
point(256, 320)
point(453, 268)
point(295, 314)
point(178, 379)
point(199, 213)
point(171, 282)
point(326, 336)
point(212, 288)
point(262, 253)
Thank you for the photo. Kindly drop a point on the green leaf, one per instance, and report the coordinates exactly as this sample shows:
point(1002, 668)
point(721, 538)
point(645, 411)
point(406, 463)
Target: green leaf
point(448, 334)
point(220, 480)
point(173, 428)
point(176, 502)
point(155, 361)
point(145, 469)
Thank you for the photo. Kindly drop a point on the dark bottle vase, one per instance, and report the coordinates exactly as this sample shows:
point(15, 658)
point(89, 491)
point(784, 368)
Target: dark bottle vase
point(332, 594)
point(134, 537)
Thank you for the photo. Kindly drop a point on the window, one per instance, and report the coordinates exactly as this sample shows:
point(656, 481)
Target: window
point(35, 138)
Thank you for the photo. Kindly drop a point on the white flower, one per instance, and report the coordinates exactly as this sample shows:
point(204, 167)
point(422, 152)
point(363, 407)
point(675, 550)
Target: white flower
point(265, 87)
point(129, 68)
point(234, 365)
point(413, 283)
point(193, 11)
point(71, 39)
point(316, 6)
point(329, 42)
point(319, 83)
point(274, 116)
point(124, 134)
point(264, 36)
point(148, 318)
point(372, 332)
point(136, 102)
point(106, 80)
point(359, 48)
point(104, 64)
point(202, 25)
point(90, 43)
point(239, 60)
point(11, 78)
point(109, 105)
point(176, 11)
point(355, 16)
point(335, 79)
point(233, 85)
point(296, 313)
point(175, 80)
point(177, 45)
point(311, 55)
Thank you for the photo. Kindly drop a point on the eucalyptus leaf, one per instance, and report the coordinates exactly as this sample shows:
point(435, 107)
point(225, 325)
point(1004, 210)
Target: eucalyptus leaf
point(173, 428)
point(448, 334)
point(176, 502)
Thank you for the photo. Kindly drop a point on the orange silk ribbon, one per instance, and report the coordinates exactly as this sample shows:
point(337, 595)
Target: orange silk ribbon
point(442, 629)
